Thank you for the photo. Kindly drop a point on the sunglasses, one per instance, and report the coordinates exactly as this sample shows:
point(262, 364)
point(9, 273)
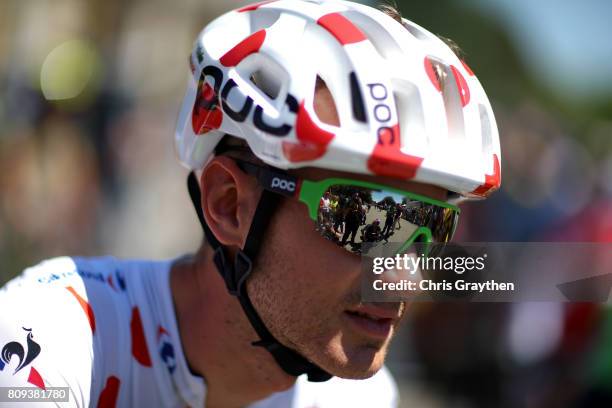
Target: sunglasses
point(351, 213)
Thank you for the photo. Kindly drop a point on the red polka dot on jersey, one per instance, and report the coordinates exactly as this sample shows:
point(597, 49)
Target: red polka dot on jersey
point(140, 351)
point(35, 378)
point(108, 396)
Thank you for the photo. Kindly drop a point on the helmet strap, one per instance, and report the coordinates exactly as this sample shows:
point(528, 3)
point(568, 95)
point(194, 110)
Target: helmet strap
point(235, 275)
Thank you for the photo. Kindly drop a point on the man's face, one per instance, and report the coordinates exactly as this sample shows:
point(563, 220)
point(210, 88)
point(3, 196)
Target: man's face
point(307, 289)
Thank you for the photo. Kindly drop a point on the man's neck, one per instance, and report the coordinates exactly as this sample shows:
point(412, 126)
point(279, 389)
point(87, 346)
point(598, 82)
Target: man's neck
point(216, 338)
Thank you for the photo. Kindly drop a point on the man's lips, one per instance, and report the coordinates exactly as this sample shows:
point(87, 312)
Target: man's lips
point(372, 321)
point(376, 312)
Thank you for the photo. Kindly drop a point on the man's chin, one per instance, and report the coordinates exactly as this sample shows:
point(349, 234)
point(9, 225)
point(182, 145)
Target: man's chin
point(356, 372)
point(358, 363)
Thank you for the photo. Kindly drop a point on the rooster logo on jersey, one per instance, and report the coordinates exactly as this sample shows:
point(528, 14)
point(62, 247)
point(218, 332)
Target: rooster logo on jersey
point(24, 355)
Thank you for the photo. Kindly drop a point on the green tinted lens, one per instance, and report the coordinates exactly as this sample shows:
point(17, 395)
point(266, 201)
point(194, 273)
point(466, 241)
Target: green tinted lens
point(353, 215)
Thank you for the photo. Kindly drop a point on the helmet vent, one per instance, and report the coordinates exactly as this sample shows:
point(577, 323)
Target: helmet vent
point(485, 124)
point(376, 33)
point(357, 99)
point(267, 84)
point(324, 104)
point(410, 112)
point(444, 80)
point(415, 31)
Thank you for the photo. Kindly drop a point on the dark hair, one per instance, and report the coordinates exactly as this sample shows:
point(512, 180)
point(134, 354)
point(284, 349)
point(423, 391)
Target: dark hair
point(237, 148)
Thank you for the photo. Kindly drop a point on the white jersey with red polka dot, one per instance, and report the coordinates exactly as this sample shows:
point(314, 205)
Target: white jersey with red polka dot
point(106, 329)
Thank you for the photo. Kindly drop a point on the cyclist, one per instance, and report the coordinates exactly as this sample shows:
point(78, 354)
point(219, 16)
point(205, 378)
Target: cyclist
point(287, 100)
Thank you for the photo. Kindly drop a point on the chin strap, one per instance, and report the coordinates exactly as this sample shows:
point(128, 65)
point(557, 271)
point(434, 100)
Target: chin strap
point(235, 275)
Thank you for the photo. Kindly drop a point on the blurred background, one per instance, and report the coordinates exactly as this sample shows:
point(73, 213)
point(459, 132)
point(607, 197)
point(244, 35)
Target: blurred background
point(89, 93)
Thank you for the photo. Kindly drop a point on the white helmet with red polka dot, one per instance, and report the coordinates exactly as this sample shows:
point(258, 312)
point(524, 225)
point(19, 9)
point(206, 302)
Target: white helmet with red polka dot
point(409, 108)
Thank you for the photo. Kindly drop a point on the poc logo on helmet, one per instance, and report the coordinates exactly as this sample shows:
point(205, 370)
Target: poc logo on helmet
point(283, 184)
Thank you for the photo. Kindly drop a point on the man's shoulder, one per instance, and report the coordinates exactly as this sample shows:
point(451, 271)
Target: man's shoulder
point(90, 273)
point(42, 273)
point(61, 298)
point(97, 286)
point(57, 315)
point(45, 330)
point(53, 293)
point(34, 293)
point(60, 272)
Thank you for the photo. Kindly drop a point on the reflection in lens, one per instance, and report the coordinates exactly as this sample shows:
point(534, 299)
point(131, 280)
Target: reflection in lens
point(356, 217)
point(443, 223)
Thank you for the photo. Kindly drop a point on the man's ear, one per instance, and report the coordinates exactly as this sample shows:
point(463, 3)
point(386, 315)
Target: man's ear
point(229, 199)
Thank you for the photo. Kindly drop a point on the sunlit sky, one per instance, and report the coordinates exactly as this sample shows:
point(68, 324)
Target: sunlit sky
point(568, 44)
point(379, 195)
